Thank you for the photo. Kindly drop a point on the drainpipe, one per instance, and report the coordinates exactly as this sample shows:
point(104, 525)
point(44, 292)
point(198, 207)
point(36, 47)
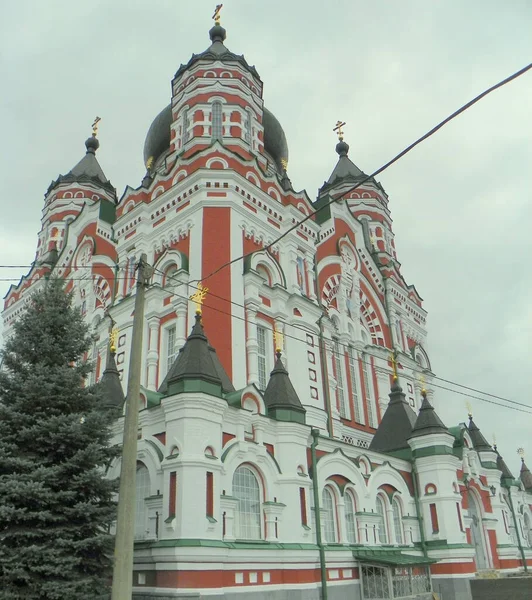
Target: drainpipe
point(418, 511)
point(520, 546)
point(315, 435)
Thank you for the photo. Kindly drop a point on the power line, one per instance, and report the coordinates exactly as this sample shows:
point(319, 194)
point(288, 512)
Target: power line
point(441, 124)
point(367, 363)
point(345, 346)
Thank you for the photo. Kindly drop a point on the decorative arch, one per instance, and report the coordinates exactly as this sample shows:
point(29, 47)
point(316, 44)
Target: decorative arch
point(167, 260)
point(421, 357)
point(217, 163)
point(271, 265)
point(370, 319)
point(250, 176)
point(178, 176)
point(157, 192)
point(338, 463)
point(385, 474)
point(274, 194)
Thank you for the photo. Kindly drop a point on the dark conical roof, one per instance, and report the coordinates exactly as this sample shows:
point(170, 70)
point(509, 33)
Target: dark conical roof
point(345, 169)
point(479, 441)
point(110, 384)
point(197, 360)
point(428, 421)
point(525, 476)
point(280, 394)
point(502, 466)
point(397, 423)
point(217, 51)
point(87, 170)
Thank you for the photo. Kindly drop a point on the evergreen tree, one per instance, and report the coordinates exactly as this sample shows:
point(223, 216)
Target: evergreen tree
point(56, 507)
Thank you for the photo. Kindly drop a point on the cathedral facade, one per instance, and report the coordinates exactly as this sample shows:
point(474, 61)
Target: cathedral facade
point(288, 441)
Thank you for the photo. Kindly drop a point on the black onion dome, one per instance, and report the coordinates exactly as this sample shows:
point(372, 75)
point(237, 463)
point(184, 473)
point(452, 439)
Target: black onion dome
point(275, 143)
point(158, 138)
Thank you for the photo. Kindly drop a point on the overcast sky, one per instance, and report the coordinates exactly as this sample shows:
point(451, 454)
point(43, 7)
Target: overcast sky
point(461, 202)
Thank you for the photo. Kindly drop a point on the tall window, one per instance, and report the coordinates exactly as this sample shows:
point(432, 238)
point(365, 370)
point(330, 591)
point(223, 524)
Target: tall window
point(186, 125)
point(142, 491)
point(337, 357)
point(357, 400)
point(247, 126)
point(350, 518)
point(367, 388)
point(171, 351)
point(397, 522)
point(327, 516)
point(527, 530)
point(383, 537)
point(246, 489)
point(217, 125)
point(262, 342)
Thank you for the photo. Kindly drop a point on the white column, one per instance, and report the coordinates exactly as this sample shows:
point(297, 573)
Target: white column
point(153, 352)
point(252, 346)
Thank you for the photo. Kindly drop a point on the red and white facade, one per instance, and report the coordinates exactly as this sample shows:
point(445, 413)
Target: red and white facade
point(225, 496)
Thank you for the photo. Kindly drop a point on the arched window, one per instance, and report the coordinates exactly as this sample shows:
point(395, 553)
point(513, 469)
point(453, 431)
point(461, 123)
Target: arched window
point(350, 522)
point(217, 125)
point(397, 522)
point(383, 536)
point(142, 491)
point(327, 516)
point(246, 489)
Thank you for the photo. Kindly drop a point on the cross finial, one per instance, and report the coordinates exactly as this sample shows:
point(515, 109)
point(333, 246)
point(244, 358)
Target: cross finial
point(149, 163)
point(113, 338)
point(284, 163)
point(423, 389)
point(279, 340)
point(216, 15)
point(338, 129)
point(198, 296)
point(95, 126)
point(469, 409)
point(521, 452)
point(393, 358)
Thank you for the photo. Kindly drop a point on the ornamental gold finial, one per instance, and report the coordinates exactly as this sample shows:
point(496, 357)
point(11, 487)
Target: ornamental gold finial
point(469, 409)
point(95, 126)
point(393, 358)
point(284, 163)
point(198, 297)
point(149, 163)
point(521, 452)
point(279, 340)
point(113, 339)
point(216, 15)
point(423, 389)
point(338, 129)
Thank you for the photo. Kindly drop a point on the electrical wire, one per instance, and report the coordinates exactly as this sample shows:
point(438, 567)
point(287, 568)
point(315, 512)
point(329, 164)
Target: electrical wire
point(345, 346)
point(365, 362)
point(441, 124)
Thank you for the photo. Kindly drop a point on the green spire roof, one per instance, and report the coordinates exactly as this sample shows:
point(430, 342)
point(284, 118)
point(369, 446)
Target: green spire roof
point(110, 384)
point(427, 421)
point(196, 362)
point(525, 476)
point(280, 397)
point(397, 423)
point(506, 474)
point(479, 441)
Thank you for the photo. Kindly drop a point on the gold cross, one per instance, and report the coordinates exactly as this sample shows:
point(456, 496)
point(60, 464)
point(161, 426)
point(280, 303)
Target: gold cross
point(149, 163)
point(521, 452)
point(198, 296)
point(279, 340)
point(422, 381)
point(469, 408)
point(216, 15)
point(394, 365)
point(113, 338)
point(338, 129)
point(95, 126)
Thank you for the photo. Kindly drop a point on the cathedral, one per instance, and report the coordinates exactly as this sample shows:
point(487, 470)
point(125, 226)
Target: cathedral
point(289, 444)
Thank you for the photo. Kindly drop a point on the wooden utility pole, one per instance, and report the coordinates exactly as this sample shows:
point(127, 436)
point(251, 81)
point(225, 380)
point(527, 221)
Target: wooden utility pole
point(125, 522)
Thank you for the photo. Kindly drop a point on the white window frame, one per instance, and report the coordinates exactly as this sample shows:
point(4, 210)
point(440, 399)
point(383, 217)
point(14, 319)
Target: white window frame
point(368, 388)
point(217, 126)
point(170, 356)
point(339, 358)
point(397, 512)
point(350, 525)
point(142, 491)
point(328, 516)
point(383, 526)
point(264, 354)
point(244, 531)
point(356, 393)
